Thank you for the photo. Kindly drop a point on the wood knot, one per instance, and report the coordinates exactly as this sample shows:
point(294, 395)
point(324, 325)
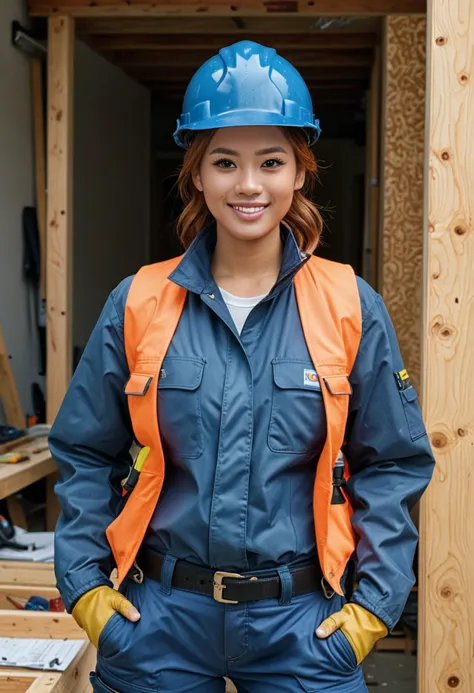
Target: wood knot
point(464, 79)
point(446, 332)
point(461, 432)
point(431, 227)
point(445, 156)
point(446, 592)
point(459, 230)
point(439, 440)
point(441, 41)
point(453, 681)
point(456, 300)
point(436, 275)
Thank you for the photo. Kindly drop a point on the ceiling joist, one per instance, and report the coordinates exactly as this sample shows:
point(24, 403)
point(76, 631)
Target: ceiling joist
point(137, 8)
point(213, 42)
point(192, 59)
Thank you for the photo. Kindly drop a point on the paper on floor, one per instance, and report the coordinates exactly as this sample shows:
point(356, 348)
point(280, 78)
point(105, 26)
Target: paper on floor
point(47, 655)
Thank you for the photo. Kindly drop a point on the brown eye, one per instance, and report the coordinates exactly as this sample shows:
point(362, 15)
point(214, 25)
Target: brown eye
point(224, 163)
point(273, 163)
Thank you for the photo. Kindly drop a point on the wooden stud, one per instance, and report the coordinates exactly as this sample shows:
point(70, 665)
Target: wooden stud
point(446, 613)
point(8, 393)
point(135, 8)
point(60, 212)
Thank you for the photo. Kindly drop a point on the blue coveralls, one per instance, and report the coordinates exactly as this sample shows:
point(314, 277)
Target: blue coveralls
point(242, 429)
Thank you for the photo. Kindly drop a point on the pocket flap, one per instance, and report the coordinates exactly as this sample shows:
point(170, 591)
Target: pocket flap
point(410, 394)
point(181, 373)
point(338, 384)
point(138, 384)
point(295, 375)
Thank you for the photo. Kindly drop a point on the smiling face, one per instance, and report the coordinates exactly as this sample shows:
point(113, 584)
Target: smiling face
point(248, 176)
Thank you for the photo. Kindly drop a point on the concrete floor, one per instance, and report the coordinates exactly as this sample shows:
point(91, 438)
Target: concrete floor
point(390, 672)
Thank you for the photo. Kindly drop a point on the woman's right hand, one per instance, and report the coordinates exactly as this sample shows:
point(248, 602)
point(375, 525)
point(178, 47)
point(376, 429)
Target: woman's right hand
point(96, 607)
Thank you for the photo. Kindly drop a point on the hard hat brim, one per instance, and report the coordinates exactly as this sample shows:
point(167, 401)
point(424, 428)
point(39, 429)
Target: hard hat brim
point(244, 118)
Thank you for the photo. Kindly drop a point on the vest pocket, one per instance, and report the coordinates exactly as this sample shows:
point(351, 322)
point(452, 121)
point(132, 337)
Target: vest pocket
point(297, 411)
point(179, 405)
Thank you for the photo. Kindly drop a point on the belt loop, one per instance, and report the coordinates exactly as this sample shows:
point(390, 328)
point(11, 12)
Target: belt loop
point(286, 579)
point(167, 570)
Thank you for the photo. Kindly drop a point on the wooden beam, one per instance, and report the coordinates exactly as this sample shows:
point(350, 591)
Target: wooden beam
point(271, 24)
point(29, 624)
point(172, 59)
point(310, 8)
point(212, 43)
point(8, 393)
point(446, 614)
point(59, 211)
point(179, 78)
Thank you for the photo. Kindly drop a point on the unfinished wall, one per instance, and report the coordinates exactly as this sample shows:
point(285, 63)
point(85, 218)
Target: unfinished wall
point(111, 184)
point(16, 191)
point(402, 181)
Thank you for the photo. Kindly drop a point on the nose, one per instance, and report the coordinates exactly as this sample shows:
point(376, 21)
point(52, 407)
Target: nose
point(248, 183)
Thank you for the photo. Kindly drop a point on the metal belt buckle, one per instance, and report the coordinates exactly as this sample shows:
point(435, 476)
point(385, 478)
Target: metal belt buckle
point(327, 589)
point(219, 587)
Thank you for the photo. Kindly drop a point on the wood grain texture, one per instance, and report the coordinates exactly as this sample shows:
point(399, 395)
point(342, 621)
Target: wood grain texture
point(59, 211)
point(138, 8)
point(403, 184)
point(446, 619)
point(9, 397)
point(25, 573)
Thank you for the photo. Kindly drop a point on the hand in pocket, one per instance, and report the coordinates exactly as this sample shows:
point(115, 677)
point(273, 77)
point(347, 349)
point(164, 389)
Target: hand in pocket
point(96, 607)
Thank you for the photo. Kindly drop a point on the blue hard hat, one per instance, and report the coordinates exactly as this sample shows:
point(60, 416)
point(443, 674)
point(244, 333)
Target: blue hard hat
point(246, 84)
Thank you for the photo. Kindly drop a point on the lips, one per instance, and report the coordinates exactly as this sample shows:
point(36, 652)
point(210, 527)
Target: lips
point(249, 212)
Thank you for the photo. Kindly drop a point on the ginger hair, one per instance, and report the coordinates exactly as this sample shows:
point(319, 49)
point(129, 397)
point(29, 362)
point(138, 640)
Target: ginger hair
point(303, 217)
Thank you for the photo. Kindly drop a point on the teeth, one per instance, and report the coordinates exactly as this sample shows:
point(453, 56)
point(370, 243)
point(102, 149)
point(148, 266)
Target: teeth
point(249, 210)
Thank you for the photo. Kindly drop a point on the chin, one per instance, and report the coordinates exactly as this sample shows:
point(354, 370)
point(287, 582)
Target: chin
point(248, 231)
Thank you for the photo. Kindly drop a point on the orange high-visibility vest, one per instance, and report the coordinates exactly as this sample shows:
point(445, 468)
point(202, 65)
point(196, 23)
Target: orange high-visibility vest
point(329, 307)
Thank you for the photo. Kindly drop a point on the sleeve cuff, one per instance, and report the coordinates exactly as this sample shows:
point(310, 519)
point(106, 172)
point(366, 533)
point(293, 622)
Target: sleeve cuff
point(72, 589)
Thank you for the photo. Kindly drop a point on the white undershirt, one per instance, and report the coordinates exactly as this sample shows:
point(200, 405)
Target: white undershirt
point(240, 306)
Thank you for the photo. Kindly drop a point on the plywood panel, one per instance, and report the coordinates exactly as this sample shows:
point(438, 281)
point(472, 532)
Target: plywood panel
point(446, 619)
point(402, 179)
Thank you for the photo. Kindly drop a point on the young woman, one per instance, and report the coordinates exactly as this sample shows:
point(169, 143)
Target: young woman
point(246, 370)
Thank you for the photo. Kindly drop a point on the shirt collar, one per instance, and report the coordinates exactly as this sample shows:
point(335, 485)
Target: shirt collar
point(194, 271)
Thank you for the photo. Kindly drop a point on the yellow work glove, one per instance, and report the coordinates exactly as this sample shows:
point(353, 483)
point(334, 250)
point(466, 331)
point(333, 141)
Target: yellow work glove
point(97, 606)
point(361, 628)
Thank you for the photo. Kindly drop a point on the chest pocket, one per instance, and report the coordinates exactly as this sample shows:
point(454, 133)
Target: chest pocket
point(297, 415)
point(179, 406)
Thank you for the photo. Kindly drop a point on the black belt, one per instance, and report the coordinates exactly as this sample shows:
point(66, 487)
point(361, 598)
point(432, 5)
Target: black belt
point(228, 587)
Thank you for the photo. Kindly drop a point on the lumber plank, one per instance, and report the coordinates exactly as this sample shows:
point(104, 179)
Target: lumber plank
point(446, 616)
point(27, 573)
point(14, 477)
point(135, 8)
point(193, 59)
point(59, 211)
point(8, 393)
point(33, 624)
point(210, 42)
point(24, 591)
point(12, 681)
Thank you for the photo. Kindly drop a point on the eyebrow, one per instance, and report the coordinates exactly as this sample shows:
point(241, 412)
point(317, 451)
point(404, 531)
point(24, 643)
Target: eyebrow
point(261, 152)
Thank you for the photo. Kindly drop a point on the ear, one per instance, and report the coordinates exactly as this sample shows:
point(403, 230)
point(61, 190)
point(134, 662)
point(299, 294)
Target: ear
point(197, 182)
point(299, 180)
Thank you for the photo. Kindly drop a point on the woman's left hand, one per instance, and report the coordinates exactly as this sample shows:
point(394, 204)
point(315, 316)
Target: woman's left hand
point(361, 628)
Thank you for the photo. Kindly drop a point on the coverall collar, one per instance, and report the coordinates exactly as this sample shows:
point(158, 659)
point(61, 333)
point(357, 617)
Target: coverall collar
point(194, 271)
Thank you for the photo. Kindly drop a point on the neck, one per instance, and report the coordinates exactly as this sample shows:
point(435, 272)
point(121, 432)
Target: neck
point(247, 268)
